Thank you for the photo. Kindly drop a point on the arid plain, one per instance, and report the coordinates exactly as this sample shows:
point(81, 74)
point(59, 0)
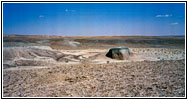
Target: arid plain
point(57, 66)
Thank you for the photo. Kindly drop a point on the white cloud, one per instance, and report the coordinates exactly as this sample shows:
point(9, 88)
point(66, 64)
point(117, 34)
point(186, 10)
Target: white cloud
point(166, 15)
point(175, 23)
point(68, 10)
point(41, 16)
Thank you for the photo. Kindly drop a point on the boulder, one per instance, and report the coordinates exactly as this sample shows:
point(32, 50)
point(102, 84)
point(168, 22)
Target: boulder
point(120, 53)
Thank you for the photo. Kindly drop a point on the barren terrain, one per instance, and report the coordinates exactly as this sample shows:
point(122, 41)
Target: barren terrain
point(55, 66)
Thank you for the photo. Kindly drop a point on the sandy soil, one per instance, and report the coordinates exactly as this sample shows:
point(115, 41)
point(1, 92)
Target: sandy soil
point(45, 56)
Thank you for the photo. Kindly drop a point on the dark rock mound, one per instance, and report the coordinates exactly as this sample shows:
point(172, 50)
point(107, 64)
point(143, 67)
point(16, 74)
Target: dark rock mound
point(119, 53)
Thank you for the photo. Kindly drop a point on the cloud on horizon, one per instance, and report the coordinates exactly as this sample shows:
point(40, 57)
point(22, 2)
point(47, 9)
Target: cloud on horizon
point(166, 15)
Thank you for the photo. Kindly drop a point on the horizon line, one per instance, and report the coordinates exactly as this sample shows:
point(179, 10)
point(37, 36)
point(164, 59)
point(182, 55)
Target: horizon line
point(94, 35)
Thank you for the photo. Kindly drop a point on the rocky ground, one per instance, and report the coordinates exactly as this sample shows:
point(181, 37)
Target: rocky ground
point(35, 66)
point(132, 79)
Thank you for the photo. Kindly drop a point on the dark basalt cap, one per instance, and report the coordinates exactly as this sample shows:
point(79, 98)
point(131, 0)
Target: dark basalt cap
point(119, 53)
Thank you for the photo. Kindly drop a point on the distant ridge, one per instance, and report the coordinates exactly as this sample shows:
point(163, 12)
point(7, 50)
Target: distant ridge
point(100, 36)
point(173, 36)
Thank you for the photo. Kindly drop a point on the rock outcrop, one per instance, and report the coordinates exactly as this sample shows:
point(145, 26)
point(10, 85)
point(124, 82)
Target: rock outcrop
point(120, 53)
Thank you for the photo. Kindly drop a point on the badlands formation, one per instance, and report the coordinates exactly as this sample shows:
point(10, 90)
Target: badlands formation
point(55, 66)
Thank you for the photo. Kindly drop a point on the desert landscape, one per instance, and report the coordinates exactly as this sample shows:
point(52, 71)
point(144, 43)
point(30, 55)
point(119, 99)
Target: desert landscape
point(77, 66)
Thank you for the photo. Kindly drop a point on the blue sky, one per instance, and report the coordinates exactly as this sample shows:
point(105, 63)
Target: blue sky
point(78, 19)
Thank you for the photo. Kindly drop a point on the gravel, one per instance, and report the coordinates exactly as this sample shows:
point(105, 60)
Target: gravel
point(132, 79)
